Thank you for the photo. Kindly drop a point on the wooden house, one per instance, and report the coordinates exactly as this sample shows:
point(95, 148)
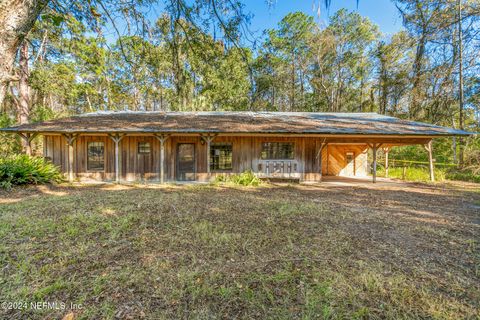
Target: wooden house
point(197, 146)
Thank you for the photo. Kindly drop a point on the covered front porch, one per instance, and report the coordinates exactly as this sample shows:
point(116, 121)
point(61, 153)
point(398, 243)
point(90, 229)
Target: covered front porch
point(166, 157)
point(164, 147)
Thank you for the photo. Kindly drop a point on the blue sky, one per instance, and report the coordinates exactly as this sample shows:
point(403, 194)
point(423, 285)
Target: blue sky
point(381, 12)
point(265, 16)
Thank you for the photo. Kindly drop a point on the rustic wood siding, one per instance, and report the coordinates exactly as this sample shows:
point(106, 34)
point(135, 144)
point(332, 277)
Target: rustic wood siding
point(56, 150)
point(246, 156)
point(139, 167)
point(80, 150)
point(336, 155)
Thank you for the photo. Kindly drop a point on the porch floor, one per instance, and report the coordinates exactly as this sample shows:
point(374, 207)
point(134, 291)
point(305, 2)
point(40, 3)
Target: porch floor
point(359, 181)
point(326, 181)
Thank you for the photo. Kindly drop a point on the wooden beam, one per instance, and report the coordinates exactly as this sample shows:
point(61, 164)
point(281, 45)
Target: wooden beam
point(162, 138)
point(208, 140)
point(208, 137)
point(429, 149)
point(28, 138)
point(374, 165)
point(116, 139)
point(319, 157)
point(70, 138)
point(348, 137)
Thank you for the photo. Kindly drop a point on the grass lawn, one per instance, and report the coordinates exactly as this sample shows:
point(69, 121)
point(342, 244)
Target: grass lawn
point(422, 174)
point(274, 251)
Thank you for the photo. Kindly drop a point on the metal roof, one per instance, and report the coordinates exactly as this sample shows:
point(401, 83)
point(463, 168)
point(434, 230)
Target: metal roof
point(237, 122)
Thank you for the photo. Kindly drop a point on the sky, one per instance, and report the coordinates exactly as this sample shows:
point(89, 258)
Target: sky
point(265, 16)
point(381, 12)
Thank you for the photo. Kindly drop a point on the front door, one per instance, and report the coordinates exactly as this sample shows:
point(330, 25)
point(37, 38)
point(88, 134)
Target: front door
point(350, 167)
point(185, 162)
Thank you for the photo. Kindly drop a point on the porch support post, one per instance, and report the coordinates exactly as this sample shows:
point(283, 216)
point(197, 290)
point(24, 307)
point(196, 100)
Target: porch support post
point(374, 174)
point(162, 138)
point(319, 157)
point(208, 140)
point(374, 147)
point(116, 139)
point(70, 138)
point(386, 150)
point(429, 149)
point(28, 138)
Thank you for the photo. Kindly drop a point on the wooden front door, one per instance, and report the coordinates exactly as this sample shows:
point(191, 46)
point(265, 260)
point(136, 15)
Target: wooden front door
point(350, 167)
point(185, 170)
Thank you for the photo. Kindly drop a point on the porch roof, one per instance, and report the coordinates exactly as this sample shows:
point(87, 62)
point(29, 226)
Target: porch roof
point(237, 122)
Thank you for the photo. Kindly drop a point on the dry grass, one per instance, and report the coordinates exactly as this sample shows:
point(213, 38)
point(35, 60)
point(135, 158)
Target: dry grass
point(208, 252)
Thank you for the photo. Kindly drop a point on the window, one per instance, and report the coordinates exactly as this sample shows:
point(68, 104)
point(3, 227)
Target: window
point(143, 147)
point(95, 156)
point(277, 150)
point(221, 156)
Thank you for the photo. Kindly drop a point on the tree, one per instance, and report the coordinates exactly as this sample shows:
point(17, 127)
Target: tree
point(19, 17)
point(286, 53)
point(394, 60)
point(422, 19)
point(343, 62)
point(460, 80)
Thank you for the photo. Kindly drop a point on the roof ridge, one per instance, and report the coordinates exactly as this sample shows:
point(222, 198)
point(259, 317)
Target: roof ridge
point(266, 122)
point(110, 112)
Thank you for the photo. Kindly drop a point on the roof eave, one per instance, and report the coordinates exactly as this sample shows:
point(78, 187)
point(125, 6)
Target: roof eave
point(305, 132)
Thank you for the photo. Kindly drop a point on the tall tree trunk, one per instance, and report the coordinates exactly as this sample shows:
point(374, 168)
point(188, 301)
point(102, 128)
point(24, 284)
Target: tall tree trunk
point(460, 84)
point(383, 88)
point(273, 98)
point(16, 20)
point(302, 91)
point(23, 105)
point(454, 143)
point(161, 98)
point(417, 73)
point(372, 99)
point(21, 97)
point(362, 85)
point(292, 99)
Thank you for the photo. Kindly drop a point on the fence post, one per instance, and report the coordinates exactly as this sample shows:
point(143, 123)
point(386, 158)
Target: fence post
point(404, 173)
point(429, 149)
point(386, 150)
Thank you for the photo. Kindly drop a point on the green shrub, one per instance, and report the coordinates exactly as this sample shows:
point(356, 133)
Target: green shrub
point(23, 169)
point(247, 178)
point(414, 174)
point(9, 143)
point(462, 175)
